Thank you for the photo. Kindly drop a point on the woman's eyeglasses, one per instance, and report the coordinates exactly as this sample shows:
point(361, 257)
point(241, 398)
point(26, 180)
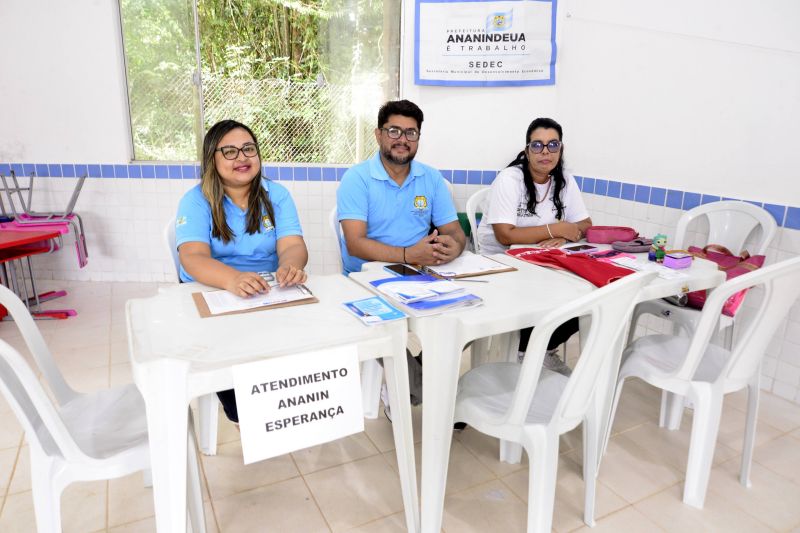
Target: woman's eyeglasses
point(232, 152)
point(537, 146)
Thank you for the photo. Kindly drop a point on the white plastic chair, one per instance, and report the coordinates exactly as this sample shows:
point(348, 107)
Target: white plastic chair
point(76, 437)
point(532, 406)
point(730, 223)
point(478, 201)
point(704, 372)
point(451, 189)
point(499, 346)
point(208, 404)
point(336, 231)
point(371, 370)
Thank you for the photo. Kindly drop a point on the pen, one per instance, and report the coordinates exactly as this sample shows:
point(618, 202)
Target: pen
point(472, 280)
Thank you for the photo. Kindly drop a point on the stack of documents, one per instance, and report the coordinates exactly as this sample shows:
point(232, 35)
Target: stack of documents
point(374, 310)
point(425, 295)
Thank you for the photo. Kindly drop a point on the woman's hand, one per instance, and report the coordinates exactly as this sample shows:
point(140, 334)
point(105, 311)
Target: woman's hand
point(247, 284)
point(288, 275)
point(567, 230)
point(552, 243)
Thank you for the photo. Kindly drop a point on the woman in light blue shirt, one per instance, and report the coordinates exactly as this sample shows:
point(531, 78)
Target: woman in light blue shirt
point(236, 224)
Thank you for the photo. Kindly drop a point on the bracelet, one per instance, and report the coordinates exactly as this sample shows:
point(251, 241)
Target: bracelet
point(548, 231)
point(404, 254)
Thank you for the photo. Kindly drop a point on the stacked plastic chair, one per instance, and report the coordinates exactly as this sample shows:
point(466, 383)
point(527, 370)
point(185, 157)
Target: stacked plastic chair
point(18, 216)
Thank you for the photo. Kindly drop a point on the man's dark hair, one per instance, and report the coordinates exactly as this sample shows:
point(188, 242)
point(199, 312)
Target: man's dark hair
point(400, 107)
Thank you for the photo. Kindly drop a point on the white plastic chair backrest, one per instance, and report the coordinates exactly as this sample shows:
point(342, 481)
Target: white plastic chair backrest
point(172, 250)
point(24, 392)
point(336, 231)
point(729, 224)
point(451, 189)
point(610, 308)
point(478, 201)
point(62, 392)
point(781, 285)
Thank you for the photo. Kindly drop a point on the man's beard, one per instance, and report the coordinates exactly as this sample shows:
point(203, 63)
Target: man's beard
point(387, 154)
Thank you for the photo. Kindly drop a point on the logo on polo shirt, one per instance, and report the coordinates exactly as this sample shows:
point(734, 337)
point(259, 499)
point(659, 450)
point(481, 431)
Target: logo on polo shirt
point(180, 221)
point(267, 223)
point(420, 202)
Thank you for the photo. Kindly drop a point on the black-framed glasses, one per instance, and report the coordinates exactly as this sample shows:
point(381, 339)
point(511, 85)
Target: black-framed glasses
point(537, 146)
point(395, 133)
point(232, 152)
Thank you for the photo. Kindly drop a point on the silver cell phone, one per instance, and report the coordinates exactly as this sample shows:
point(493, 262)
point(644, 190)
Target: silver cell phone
point(400, 269)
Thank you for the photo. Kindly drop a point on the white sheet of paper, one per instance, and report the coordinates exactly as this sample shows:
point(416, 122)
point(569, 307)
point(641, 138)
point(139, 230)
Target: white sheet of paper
point(467, 263)
point(224, 301)
point(293, 402)
point(649, 266)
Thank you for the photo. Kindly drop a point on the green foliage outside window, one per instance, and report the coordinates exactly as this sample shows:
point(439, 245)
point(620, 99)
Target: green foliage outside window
point(306, 76)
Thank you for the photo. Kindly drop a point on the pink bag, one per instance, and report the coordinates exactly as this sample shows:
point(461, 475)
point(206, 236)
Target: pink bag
point(609, 234)
point(733, 266)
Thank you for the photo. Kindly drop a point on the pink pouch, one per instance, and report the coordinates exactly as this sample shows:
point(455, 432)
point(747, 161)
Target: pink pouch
point(733, 266)
point(609, 234)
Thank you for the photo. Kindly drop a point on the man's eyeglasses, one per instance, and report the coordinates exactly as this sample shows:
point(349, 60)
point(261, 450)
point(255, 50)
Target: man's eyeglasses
point(395, 133)
point(537, 146)
point(232, 152)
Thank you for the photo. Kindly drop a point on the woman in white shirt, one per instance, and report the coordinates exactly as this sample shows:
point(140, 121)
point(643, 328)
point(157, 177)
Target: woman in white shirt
point(533, 201)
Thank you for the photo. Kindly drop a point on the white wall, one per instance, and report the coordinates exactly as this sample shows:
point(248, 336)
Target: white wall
point(698, 96)
point(62, 87)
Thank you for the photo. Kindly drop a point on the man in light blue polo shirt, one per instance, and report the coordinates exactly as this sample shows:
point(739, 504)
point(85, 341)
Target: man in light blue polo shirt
point(388, 204)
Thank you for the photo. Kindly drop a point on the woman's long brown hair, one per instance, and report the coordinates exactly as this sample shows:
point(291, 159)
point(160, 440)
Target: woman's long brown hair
point(211, 184)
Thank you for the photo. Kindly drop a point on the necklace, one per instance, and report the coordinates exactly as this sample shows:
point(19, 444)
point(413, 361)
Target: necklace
point(546, 191)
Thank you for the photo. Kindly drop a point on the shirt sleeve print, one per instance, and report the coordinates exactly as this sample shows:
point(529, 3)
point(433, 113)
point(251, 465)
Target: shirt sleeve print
point(193, 221)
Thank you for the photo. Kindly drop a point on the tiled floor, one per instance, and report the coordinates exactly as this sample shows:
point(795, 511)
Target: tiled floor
point(352, 484)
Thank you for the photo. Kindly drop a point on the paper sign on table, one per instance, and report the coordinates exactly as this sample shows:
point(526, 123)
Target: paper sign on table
point(293, 402)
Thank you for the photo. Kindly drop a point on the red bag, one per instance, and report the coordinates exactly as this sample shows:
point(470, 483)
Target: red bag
point(609, 234)
point(599, 273)
point(733, 266)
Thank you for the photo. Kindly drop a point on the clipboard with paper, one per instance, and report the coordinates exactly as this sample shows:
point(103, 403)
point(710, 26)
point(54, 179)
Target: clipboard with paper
point(467, 265)
point(221, 302)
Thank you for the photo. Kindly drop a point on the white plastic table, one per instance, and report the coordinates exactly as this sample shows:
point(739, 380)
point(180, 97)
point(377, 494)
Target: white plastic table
point(512, 301)
point(176, 356)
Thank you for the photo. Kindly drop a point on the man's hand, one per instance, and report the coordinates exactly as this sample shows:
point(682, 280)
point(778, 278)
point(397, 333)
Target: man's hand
point(247, 284)
point(445, 249)
point(288, 275)
point(422, 253)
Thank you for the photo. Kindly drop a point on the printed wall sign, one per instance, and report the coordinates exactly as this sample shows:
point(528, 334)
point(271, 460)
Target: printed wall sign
point(477, 43)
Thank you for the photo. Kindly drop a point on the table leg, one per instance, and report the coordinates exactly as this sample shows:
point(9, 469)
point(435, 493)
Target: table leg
point(396, 369)
point(163, 384)
point(442, 355)
point(604, 395)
